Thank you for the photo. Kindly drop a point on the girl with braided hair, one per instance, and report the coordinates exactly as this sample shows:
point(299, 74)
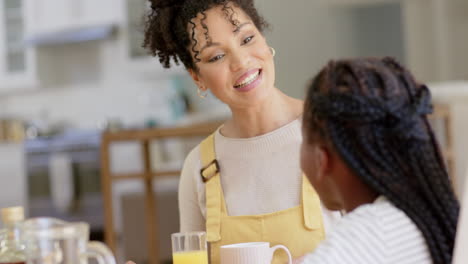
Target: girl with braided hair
point(368, 149)
point(244, 182)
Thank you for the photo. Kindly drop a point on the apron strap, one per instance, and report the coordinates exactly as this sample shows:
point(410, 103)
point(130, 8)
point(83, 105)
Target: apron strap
point(311, 206)
point(210, 176)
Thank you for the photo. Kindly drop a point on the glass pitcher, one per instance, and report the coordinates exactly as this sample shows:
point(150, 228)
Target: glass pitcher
point(53, 241)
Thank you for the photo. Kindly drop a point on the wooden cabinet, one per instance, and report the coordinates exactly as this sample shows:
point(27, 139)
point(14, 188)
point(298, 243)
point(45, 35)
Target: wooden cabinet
point(17, 61)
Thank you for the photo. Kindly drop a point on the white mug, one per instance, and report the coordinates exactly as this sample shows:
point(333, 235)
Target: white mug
point(250, 253)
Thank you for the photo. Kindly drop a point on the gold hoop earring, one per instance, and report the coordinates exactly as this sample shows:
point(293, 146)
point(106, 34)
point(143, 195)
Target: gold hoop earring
point(202, 94)
point(273, 51)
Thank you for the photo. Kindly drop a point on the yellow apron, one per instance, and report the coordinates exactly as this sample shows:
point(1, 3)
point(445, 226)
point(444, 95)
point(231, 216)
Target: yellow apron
point(299, 228)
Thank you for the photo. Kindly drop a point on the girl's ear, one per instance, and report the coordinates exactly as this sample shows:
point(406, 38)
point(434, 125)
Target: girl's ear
point(323, 161)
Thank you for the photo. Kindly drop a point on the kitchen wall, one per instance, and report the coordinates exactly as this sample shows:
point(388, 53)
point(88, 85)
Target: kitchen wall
point(436, 38)
point(428, 36)
point(458, 21)
point(307, 34)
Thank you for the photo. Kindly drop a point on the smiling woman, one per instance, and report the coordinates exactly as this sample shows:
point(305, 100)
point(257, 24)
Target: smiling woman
point(243, 183)
point(233, 60)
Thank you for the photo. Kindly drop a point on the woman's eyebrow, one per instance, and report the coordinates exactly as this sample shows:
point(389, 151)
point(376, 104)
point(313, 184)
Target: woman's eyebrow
point(211, 44)
point(238, 28)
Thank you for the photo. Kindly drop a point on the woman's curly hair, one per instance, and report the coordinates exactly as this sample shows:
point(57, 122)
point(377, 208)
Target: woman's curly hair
point(168, 23)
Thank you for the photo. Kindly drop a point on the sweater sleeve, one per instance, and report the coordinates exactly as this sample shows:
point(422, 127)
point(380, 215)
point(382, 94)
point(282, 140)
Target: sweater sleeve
point(190, 215)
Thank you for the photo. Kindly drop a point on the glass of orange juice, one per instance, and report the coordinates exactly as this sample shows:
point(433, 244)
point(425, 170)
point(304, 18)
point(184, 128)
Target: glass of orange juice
point(189, 248)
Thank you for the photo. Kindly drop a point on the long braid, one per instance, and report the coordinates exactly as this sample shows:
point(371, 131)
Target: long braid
point(374, 114)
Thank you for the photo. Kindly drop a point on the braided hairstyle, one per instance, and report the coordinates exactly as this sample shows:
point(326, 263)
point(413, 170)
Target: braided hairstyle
point(170, 31)
point(373, 113)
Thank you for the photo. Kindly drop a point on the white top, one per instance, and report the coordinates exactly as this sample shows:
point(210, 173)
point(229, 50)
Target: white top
point(373, 233)
point(258, 175)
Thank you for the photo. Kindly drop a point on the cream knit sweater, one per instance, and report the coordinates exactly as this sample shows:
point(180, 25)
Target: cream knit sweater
point(258, 175)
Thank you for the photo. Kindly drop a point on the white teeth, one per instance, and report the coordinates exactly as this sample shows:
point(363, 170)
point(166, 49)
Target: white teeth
point(248, 80)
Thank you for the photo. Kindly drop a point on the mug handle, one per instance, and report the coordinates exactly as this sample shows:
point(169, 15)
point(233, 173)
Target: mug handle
point(273, 249)
point(100, 252)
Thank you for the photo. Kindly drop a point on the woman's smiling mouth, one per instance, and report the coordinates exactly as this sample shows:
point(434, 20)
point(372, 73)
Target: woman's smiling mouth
point(249, 78)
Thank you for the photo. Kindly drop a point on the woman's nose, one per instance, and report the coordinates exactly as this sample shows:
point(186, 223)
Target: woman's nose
point(239, 60)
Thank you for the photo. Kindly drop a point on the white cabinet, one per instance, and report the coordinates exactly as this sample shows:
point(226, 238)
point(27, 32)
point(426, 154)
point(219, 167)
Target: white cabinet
point(17, 61)
point(53, 16)
point(137, 58)
point(124, 53)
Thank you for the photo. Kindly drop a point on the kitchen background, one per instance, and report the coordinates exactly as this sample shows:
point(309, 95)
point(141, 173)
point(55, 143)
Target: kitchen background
point(71, 69)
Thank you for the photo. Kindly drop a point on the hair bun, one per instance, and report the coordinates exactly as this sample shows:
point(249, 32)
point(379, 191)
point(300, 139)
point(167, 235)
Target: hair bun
point(161, 4)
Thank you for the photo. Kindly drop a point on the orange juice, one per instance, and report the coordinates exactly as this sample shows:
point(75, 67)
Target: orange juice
point(190, 257)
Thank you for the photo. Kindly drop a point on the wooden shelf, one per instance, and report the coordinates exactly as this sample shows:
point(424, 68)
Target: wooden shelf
point(132, 176)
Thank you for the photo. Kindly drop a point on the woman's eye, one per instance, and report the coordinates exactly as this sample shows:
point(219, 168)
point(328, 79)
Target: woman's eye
point(215, 58)
point(247, 39)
